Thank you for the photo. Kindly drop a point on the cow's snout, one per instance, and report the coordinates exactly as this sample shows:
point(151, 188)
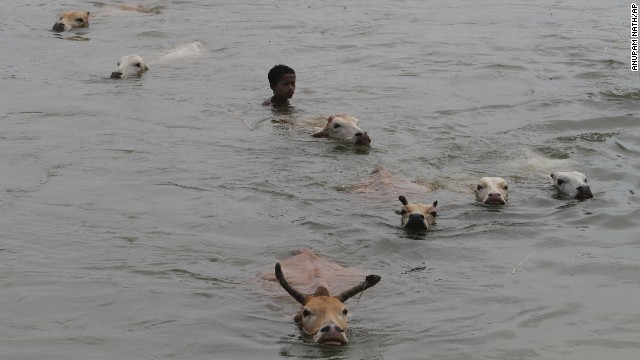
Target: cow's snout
point(416, 221)
point(583, 188)
point(362, 138)
point(495, 198)
point(328, 328)
point(116, 75)
point(332, 335)
point(584, 192)
point(58, 27)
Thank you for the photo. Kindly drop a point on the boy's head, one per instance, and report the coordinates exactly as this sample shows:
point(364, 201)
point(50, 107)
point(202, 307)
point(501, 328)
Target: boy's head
point(282, 80)
point(277, 72)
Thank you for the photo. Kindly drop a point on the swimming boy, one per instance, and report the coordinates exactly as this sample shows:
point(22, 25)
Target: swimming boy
point(282, 80)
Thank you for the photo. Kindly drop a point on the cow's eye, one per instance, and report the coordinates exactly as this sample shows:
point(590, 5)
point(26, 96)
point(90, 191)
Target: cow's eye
point(306, 312)
point(560, 181)
point(79, 20)
point(137, 64)
point(345, 311)
point(585, 180)
point(506, 187)
point(479, 187)
point(335, 126)
point(434, 214)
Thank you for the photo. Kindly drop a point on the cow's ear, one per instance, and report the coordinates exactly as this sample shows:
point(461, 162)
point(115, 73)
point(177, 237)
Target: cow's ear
point(320, 133)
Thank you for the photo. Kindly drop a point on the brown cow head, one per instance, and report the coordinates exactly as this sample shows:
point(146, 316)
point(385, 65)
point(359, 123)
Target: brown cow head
point(417, 216)
point(324, 317)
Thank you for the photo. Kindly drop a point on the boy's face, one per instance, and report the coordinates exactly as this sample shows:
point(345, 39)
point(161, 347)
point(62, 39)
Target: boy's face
point(285, 88)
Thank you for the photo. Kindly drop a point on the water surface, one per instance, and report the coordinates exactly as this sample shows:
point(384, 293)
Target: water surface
point(137, 214)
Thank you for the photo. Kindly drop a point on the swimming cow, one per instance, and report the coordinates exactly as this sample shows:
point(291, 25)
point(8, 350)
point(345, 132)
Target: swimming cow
point(492, 191)
point(130, 65)
point(344, 127)
point(417, 216)
point(323, 316)
point(572, 184)
point(71, 20)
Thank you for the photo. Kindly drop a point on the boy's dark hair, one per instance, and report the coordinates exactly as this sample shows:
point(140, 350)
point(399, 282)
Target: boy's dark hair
point(277, 72)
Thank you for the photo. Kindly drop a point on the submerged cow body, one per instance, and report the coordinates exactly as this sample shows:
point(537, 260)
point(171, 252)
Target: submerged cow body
point(70, 20)
point(383, 184)
point(135, 65)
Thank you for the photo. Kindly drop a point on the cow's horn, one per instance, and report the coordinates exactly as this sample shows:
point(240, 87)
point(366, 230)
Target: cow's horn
point(369, 281)
point(285, 285)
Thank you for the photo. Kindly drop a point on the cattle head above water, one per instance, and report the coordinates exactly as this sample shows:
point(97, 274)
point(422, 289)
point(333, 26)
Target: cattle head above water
point(417, 216)
point(492, 191)
point(324, 317)
point(572, 184)
point(72, 20)
point(344, 127)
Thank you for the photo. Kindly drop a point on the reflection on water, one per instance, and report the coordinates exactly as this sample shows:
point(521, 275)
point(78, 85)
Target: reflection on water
point(416, 234)
point(363, 344)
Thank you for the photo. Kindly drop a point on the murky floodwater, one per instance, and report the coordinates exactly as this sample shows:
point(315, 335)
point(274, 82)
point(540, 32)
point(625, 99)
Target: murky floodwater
point(136, 214)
